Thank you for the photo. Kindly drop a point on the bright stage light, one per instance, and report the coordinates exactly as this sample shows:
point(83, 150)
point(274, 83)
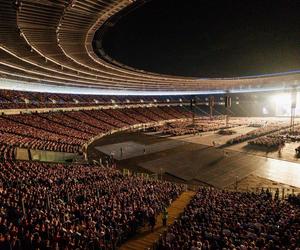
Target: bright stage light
point(265, 111)
point(283, 102)
point(281, 99)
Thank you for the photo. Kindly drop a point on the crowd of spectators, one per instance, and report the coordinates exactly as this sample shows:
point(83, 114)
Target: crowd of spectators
point(70, 122)
point(226, 132)
point(148, 113)
point(42, 123)
point(216, 219)
point(278, 139)
point(269, 141)
point(69, 131)
point(294, 199)
point(261, 131)
point(292, 134)
point(10, 99)
point(187, 127)
point(56, 206)
point(175, 112)
point(6, 152)
point(256, 125)
point(18, 134)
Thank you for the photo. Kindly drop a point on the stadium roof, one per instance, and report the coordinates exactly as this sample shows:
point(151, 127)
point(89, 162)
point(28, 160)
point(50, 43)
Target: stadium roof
point(47, 42)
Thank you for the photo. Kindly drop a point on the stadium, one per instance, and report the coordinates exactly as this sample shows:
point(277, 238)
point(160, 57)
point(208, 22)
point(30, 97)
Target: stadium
point(149, 124)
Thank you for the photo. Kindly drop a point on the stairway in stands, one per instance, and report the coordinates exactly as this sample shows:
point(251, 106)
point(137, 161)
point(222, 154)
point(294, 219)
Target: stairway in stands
point(145, 238)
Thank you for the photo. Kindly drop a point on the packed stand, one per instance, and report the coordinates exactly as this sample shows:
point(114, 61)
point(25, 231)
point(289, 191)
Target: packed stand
point(6, 153)
point(147, 112)
point(69, 131)
point(10, 99)
point(294, 199)
point(216, 219)
point(16, 133)
point(56, 206)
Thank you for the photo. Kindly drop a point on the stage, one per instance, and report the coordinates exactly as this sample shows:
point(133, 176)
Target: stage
point(193, 159)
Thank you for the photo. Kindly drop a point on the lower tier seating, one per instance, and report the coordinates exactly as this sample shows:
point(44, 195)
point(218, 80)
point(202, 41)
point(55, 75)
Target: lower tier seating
point(56, 206)
point(217, 219)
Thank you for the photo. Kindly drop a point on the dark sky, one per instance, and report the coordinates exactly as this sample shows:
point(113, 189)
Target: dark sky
point(209, 38)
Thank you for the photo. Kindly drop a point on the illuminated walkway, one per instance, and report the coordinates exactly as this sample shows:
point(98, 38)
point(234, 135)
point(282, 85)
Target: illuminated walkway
point(145, 239)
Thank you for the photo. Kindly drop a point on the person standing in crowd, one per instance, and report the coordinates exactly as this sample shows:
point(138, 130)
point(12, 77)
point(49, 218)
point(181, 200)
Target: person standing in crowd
point(152, 220)
point(121, 153)
point(165, 215)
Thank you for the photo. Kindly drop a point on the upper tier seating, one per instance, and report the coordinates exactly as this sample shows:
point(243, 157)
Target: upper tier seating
point(10, 99)
point(69, 131)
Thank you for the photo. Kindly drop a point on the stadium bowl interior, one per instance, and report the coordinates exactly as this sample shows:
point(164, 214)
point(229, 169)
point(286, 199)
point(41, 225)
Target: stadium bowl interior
point(102, 147)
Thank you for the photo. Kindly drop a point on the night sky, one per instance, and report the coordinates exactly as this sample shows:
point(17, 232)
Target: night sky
point(208, 38)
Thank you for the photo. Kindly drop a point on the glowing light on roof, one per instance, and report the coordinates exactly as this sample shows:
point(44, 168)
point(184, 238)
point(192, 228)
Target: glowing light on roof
point(48, 88)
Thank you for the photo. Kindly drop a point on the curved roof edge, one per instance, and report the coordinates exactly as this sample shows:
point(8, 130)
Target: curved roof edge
point(39, 87)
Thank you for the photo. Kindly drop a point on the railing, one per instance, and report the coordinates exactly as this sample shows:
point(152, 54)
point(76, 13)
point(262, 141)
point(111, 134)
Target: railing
point(283, 193)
